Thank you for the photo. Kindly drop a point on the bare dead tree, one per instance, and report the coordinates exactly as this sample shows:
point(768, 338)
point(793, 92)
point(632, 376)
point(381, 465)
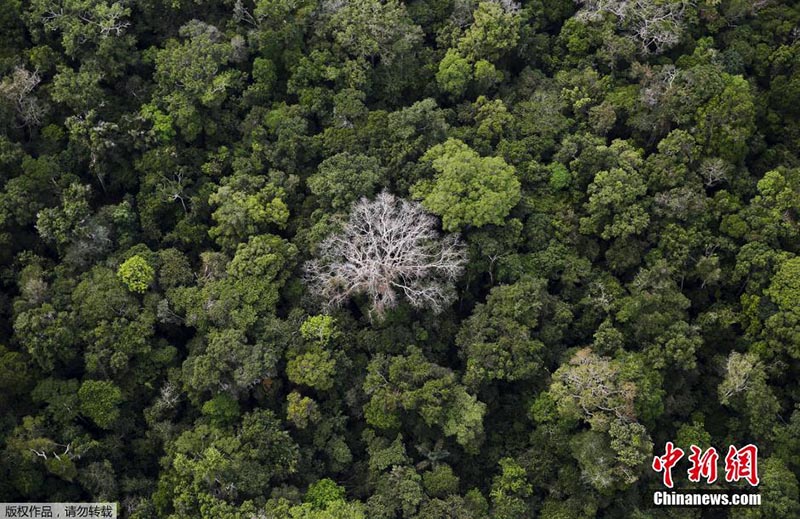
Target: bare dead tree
point(242, 14)
point(656, 25)
point(714, 171)
point(593, 383)
point(170, 395)
point(18, 89)
point(107, 19)
point(172, 188)
point(111, 22)
point(740, 370)
point(595, 9)
point(389, 246)
point(43, 454)
point(40, 453)
point(600, 296)
point(656, 84)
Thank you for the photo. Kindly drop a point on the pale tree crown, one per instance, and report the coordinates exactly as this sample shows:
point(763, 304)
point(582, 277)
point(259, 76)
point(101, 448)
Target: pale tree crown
point(388, 247)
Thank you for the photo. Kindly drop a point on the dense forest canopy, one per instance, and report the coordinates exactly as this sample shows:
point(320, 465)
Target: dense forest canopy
point(434, 259)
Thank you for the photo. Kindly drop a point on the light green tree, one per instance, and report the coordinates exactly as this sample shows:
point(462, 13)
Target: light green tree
point(136, 273)
point(467, 189)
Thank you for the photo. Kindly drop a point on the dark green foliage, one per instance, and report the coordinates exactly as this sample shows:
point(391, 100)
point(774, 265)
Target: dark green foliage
point(99, 400)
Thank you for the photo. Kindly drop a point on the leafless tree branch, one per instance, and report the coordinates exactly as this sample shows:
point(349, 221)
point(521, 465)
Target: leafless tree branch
point(388, 247)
